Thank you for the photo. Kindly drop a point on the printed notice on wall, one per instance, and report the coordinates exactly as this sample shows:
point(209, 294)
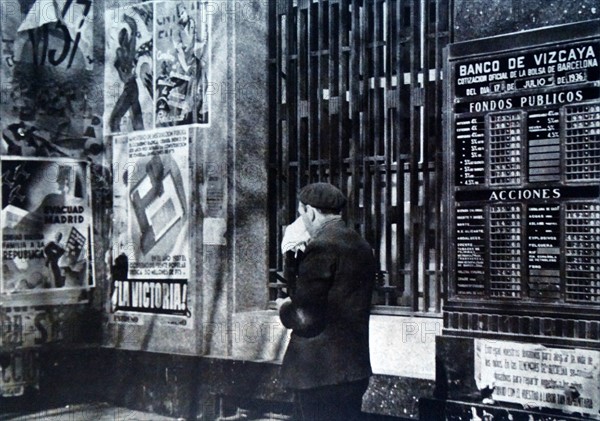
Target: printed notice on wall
point(50, 104)
point(46, 229)
point(129, 71)
point(157, 65)
point(151, 206)
point(19, 371)
point(537, 376)
point(23, 327)
point(158, 217)
point(181, 36)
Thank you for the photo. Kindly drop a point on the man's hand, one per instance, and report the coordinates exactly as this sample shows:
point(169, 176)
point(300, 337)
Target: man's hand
point(281, 301)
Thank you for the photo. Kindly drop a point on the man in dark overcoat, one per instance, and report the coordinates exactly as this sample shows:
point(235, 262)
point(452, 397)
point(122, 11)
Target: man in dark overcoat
point(327, 361)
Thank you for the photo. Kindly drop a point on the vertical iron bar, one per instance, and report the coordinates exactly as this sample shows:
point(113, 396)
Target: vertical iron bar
point(425, 153)
point(438, 159)
point(365, 126)
point(333, 133)
point(400, 137)
point(414, 158)
point(376, 124)
point(389, 38)
point(317, 120)
point(344, 105)
point(355, 100)
point(293, 102)
point(302, 95)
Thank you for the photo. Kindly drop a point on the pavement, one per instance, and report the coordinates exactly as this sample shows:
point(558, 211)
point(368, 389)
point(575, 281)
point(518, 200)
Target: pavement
point(86, 412)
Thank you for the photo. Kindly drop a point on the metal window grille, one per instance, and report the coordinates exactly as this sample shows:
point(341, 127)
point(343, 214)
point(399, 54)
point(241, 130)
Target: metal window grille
point(356, 97)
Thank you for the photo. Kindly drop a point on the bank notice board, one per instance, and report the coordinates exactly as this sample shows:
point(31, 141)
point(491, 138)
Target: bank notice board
point(524, 168)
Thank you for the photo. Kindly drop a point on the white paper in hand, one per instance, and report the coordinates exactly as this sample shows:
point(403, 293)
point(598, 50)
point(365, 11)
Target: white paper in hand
point(295, 237)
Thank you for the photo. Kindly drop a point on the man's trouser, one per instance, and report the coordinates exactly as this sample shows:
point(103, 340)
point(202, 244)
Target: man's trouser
point(329, 403)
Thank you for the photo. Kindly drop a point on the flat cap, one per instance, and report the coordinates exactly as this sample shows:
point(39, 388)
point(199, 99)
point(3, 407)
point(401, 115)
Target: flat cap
point(322, 196)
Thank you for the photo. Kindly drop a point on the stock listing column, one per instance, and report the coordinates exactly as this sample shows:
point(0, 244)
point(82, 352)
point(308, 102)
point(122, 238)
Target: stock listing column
point(523, 255)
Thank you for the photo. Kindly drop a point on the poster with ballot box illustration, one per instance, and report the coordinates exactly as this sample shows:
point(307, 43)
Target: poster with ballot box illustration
point(151, 208)
point(46, 229)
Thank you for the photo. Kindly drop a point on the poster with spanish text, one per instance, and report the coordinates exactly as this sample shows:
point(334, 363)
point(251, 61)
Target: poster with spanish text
point(151, 254)
point(50, 105)
point(46, 230)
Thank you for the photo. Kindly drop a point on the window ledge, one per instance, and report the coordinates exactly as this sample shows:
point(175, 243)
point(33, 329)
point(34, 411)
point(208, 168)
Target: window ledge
point(402, 311)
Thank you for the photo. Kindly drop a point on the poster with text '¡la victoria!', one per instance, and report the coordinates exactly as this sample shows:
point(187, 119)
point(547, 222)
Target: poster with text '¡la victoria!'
point(46, 230)
point(151, 254)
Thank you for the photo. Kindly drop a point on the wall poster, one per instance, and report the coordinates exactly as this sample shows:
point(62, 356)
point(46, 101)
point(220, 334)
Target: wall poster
point(181, 34)
point(151, 223)
point(128, 102)
point(20, 372)
point(50, 105)
point(46, 230)
point(537, 376)
point(159, 77)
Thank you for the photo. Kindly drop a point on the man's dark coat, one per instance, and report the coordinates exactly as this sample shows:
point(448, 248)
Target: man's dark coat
point(329, 311)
